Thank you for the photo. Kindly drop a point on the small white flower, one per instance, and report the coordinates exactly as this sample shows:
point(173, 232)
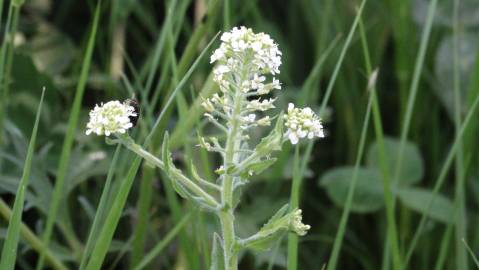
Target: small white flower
point(257, 81)
point(109, 118)
point(249, 118)
point(297, 225)
point(302, 123)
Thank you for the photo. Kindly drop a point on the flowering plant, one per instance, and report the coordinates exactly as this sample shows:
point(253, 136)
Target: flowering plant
point(246, 66)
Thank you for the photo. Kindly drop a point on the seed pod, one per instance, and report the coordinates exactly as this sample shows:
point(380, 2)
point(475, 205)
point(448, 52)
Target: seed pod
point(134, 103)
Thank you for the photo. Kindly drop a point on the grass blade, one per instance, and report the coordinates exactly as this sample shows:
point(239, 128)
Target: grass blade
point(34, 241)
point(414, 86)
point(9, 252)
point(474, 258)
point(100, 212)
point(338, 65)
point(460, 174)
point(6, 57)
point(163, 243)
point(392, 238)
point(68, 142)
point(349, 199)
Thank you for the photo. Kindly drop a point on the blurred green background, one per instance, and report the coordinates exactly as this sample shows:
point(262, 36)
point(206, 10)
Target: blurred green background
point(139, 50)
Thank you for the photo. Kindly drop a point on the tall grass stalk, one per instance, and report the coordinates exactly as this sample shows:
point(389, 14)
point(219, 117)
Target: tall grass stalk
point(414, 86)
point(9, 251)
point(460, 174)
point(338, 240)
point(444, 248)
point(6, 57)
point(392, 237)
point(64, 162)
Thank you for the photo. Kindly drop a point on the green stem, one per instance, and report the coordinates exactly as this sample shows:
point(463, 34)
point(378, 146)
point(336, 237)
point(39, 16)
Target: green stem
point(388, 197)
point(6, 55)
point(177, 173)
point(226, 214)
point(293, 204)
point(460, 194)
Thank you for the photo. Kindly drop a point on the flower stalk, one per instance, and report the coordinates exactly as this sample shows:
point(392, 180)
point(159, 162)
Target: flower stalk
point(246, 64)
point(126, 141)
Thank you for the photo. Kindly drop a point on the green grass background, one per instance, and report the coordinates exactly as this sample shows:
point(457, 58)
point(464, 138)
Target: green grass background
point(394, 185)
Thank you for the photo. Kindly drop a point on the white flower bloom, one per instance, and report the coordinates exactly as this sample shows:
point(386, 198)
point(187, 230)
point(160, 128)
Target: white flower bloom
point(302, 123)
point(109, 118)
point(241, 45)
point(297, 225)
point(246, 63)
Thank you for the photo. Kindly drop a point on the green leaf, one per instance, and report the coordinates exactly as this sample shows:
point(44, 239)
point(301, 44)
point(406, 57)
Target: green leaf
point(272, 231)
point(257, 167)
point(217, 255)
point(9, 252)
point(272, 142)
point(279, 214)
point(412, 167)
point(435, 206)
point(267, 242)
point(368, 196)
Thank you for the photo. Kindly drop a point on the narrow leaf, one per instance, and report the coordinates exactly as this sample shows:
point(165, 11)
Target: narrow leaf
point(9, 251)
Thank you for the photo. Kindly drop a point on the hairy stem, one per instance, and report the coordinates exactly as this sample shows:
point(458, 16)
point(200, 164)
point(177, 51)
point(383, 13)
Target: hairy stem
point(226, 215)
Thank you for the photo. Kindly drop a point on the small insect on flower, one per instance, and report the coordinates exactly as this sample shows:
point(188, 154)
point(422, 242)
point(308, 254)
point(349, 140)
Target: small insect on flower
point(110, 118)
point(136, 105)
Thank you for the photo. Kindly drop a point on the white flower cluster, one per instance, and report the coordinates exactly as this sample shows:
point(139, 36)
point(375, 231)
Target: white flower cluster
point(244, 60)
point(297, 224)
point(109, 118)
point(241, 45)
point(301, 123)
